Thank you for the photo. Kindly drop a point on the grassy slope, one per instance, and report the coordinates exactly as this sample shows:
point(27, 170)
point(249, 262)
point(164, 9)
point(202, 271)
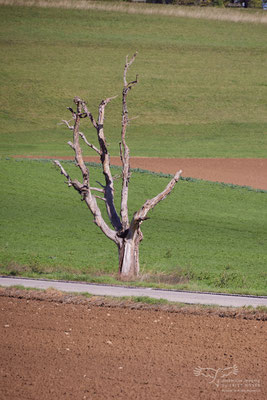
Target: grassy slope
point(208, 236)
point(202, 91)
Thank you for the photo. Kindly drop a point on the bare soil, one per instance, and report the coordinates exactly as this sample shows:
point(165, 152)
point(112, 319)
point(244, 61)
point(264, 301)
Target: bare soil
point(239, 171)
point(56, 346)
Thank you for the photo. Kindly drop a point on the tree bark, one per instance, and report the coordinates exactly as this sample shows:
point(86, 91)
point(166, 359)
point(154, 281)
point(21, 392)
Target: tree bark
point(129, 255)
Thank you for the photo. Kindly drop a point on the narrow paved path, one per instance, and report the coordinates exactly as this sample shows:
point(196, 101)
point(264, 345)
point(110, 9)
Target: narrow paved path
point(120, 291)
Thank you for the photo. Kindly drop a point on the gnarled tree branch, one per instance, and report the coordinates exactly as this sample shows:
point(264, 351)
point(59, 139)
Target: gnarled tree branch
point(124, 149)
point(63, 172)
point(127, 236)
point(89, 144)
point(105, 160)
point(141, 214)
point(84, 187)
point(76, 144)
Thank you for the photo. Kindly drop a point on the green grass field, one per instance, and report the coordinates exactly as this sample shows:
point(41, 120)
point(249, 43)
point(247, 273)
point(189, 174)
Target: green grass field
point(204, 236)
point(202, 93)
point(202, 83)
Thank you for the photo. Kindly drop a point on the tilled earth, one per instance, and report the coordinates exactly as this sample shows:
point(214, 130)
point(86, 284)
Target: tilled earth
point(56, 346)
point(239, 171)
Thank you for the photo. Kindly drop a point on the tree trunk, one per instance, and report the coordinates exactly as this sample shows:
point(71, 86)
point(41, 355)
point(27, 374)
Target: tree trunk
point(129, 255)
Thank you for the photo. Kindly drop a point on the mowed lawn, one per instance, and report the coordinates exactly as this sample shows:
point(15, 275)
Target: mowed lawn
point(204, 236)
point(202, 84)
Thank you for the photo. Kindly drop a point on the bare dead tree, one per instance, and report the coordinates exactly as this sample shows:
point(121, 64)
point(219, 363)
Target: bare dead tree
point(125, 233)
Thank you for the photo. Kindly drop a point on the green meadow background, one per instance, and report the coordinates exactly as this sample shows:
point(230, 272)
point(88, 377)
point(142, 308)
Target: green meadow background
point(202, 88)
point(202, 92)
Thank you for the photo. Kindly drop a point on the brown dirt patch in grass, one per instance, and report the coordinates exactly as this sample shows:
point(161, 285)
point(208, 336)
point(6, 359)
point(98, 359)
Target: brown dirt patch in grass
point(239, 171)
point(56, 346)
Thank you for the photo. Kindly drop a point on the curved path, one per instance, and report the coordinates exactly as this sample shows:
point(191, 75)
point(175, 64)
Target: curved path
point(224, 300)
point(239, 171)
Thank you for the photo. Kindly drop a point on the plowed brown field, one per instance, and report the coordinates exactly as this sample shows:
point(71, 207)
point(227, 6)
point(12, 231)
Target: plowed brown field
point(62, 349)
point(239, 171)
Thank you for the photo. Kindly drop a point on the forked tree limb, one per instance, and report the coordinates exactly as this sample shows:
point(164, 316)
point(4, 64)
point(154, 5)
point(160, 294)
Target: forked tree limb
point(100, 198)
point(76, 144)
point(141, 214)
point(82, 136)
point(97, 189)
point(102, 152)
point(124, 149)
point(89, 144)
point(105, 160)
point(84, 187)
point(63, 172)
point(91, 204)
point(75, 183)
point(90, 116)
point(127, 66)
point(67, 123)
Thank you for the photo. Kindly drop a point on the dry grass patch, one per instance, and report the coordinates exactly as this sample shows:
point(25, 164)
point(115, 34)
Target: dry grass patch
point(209, 13)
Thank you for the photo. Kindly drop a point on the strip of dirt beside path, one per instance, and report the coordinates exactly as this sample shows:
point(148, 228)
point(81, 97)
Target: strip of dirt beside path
point(65, 349)
point(53, 295)
point(239, 171)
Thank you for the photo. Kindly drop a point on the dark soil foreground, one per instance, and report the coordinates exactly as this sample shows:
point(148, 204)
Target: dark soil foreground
point(55, 346)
